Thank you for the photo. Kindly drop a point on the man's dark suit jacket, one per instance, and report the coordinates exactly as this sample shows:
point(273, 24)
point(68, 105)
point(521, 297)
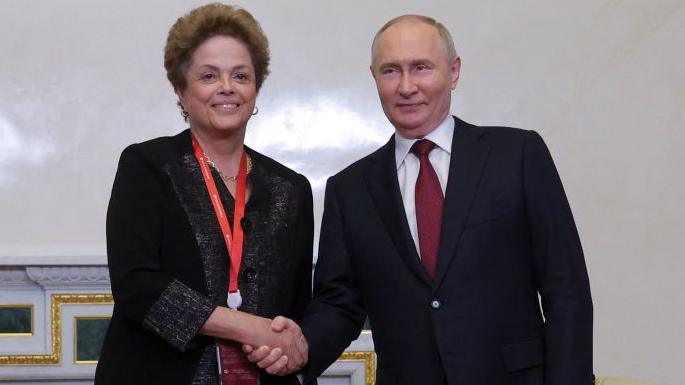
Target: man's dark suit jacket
point(507, 236)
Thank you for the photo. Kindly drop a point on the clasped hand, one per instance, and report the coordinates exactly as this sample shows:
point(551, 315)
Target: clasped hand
point(288, 353)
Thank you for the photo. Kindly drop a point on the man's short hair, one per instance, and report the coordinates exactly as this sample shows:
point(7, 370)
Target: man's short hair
point(445, 35)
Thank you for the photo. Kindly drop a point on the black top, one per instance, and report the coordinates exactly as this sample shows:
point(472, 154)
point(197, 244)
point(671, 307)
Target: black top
point(169, 264)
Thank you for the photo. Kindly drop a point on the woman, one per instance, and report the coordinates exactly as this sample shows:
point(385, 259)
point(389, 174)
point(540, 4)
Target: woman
point(174, 227)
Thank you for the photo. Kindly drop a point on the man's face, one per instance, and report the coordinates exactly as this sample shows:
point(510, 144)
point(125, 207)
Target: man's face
point(414, 77)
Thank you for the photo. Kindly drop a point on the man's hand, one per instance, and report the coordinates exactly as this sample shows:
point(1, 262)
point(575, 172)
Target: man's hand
point(288, 355)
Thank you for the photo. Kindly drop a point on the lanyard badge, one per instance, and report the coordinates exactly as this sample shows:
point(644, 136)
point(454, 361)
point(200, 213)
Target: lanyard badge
point(233, 239)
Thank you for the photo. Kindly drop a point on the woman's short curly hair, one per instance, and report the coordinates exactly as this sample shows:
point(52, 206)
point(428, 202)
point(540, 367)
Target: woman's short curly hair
point(200, 24)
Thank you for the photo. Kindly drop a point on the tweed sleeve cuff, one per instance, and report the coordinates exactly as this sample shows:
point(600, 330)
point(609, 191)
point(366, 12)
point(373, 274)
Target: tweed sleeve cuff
point(178, 314)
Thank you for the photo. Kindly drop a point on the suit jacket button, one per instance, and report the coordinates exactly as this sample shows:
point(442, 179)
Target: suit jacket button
point(249, 274)
point(435, 304)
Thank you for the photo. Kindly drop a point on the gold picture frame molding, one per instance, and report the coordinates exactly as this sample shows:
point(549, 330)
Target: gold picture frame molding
point(76, 361)
point(369, 359)
point(56, 302)
point(32, 319)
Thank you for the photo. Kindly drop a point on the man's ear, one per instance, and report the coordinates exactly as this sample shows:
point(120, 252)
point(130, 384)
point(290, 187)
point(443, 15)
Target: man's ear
point(455, 67)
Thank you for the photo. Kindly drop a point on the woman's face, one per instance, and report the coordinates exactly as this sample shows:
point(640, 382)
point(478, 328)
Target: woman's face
point(220, 86)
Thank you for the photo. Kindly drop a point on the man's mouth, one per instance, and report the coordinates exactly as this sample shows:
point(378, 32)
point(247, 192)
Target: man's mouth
point(408, 106)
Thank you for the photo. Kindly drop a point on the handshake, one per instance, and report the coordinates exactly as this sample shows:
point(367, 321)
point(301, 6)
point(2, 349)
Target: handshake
point(286, 350)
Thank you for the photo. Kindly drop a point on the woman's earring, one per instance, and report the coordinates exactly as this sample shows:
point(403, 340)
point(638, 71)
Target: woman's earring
point(255, 111)
point(184, 113)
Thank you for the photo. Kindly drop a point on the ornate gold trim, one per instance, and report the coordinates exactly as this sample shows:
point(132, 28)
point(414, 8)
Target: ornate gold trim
point(369, 359)
point(32, 320)
point(56, 302)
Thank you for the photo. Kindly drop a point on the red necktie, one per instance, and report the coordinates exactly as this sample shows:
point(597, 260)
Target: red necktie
point(429, 200)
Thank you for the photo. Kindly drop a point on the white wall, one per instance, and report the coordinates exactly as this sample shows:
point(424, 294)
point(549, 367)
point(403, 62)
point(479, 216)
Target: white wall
point(602, 81)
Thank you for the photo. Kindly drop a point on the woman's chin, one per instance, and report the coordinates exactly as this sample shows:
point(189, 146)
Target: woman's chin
point(221, 128)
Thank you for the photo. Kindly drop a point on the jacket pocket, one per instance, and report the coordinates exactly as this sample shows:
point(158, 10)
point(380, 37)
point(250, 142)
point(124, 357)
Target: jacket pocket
point(524, 355)
point(485, 214)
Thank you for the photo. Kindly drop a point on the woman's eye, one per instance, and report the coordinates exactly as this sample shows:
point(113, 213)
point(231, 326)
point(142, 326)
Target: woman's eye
point(208, 76)
point(241, 76)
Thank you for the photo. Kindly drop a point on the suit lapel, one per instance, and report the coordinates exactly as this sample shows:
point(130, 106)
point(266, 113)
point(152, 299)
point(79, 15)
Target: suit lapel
point(468, 159)
point(188, 184)
point(381, 179)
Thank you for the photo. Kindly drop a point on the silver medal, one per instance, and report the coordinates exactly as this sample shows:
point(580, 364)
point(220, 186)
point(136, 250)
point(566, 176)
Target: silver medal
point(234, 300)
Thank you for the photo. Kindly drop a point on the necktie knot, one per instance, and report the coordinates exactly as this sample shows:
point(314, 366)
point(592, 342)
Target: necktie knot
point(422, 147)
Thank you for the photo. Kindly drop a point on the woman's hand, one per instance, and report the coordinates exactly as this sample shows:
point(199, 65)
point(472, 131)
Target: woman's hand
point(275, 360)
point(283, 348)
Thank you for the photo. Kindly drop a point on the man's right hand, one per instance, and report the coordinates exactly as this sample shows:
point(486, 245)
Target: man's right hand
point(289, 355)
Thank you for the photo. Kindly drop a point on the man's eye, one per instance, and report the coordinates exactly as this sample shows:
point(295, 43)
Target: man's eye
point(422, 67)
point(388, 71)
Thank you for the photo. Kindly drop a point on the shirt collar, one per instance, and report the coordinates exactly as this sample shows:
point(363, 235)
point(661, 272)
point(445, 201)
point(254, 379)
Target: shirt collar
point(441, 136)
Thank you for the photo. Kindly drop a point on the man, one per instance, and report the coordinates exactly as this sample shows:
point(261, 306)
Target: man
point(445, 237)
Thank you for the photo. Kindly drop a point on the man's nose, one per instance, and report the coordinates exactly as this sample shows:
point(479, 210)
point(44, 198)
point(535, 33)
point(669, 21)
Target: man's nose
point(407, 85)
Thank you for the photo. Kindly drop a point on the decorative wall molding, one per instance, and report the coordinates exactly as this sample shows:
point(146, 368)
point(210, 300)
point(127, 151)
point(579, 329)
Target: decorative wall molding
point(70, 277)
point(14, 276)
point(56, 302)
point(369, 360)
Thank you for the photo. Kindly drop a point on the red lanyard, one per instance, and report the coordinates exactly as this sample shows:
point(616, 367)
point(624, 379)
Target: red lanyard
point(234, 241)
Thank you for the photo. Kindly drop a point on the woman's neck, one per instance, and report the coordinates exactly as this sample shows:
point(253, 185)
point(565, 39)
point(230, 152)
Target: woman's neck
point(224, 149)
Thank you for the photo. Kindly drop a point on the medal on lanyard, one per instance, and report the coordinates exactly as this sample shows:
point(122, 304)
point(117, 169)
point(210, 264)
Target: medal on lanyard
point(234, 240)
